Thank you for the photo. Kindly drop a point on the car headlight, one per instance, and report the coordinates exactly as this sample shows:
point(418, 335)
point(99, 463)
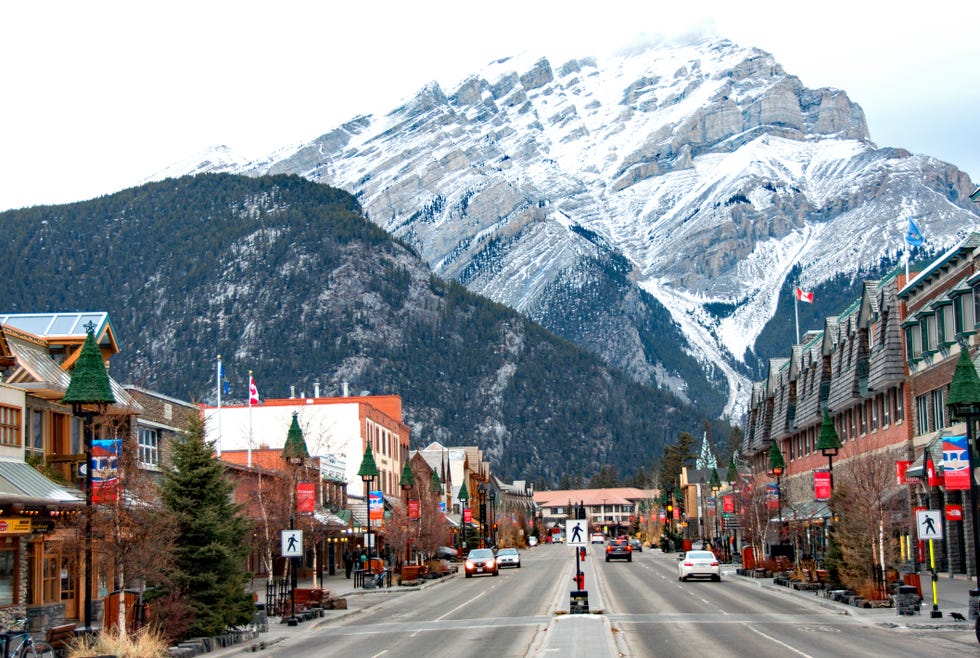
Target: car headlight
point(490, 563)
point(469, 565)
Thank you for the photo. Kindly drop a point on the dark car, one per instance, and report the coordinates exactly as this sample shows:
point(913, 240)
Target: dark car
point(481, 560)
point(619, 549)
point(636, 545)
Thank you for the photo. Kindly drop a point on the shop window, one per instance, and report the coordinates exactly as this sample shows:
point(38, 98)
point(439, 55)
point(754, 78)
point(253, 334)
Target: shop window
point(10, 426)
point(8, 573)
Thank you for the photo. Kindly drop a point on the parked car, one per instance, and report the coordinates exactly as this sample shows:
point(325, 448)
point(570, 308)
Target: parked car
point(636, 545)
point(508, 557)
point(698, 564)
point(619, 549)
point(532, 541)
point(446, 553)
point(481, 560)
point(598, 538)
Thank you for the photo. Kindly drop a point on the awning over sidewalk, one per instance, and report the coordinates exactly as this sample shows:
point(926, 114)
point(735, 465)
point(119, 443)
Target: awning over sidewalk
point(808, 510)
point(21, 482)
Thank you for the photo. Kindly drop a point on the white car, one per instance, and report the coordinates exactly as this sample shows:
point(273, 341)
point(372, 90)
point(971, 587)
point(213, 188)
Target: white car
point(698, 564)
point(598, 538)
point(532, 541)
point(508, 557)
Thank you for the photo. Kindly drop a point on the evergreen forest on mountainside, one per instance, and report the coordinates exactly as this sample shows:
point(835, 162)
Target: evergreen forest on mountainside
point(285, 278)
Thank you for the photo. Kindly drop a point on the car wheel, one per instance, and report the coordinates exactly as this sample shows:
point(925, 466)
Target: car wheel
point(518, 566)
point(469, 575)
point(683, 579)
point(629, 559)
point(496, 573)
point(716, 578)
point(607, 559)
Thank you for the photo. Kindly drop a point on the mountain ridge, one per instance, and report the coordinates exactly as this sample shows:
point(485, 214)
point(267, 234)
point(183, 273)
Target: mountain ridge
point(705, 167)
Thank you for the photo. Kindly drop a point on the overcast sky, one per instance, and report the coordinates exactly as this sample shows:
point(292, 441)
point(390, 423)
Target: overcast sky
point(99, 95)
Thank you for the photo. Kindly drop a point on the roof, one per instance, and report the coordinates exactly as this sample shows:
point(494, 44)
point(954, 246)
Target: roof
point(610, 496)
point(68, 327)
point(19, 480)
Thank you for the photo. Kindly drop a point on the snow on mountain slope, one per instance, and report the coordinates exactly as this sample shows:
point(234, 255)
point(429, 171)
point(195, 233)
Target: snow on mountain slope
point(703, 169)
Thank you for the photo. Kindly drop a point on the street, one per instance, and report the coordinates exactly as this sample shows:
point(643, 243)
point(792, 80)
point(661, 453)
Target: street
point(641, 604)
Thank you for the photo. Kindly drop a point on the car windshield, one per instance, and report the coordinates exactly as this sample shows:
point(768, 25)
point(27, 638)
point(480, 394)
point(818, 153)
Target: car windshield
point(507, 551)
point(700, 555)
point(481, 553)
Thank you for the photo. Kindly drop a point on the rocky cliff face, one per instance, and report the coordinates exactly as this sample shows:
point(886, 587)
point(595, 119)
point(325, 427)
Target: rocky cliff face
point(617, 201)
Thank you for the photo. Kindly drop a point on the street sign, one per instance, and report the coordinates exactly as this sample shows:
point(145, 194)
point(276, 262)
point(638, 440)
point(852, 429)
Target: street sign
point(576, 531)
point(929, 523)
point(292, 543)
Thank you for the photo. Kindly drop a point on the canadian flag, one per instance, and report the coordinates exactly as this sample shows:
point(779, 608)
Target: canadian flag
point(804, 296)
point(253, 391)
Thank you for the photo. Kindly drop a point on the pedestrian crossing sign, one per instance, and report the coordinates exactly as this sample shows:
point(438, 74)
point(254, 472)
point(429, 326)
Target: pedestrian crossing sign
point(929, 523)
point(575, 531)
point(292, 543)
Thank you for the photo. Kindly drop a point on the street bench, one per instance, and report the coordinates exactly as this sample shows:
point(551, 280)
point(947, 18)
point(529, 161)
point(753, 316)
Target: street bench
point(59, 637)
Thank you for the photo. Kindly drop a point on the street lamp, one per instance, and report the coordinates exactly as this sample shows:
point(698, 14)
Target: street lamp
point(482, 493)
point(777, 466)
point(715, 488)
point(463, 496)
point(295, 453)
point(493, 515)
point(964, 404)
point(89, 387)
point(406, 483)
point(732, 477)
point(367, 472)
point(829, 444)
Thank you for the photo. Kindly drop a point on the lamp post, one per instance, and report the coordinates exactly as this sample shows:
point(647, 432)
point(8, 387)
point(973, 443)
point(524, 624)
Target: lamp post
point(406, 483)
point(964, 404)
point(367, 472)
point(89, 387)
point(492, 495)
point(777, 466)
point(715, 488)
point(463, 496)
point(732, 478)
point(482, 493)
point(295, 453)
point(829, 444)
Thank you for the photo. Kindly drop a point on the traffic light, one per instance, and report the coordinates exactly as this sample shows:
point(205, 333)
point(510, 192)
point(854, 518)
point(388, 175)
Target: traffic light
point(670, 510)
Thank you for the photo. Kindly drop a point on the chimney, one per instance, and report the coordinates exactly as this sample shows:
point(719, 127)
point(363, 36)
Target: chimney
point(343, 389)
point(316, 389)
point(292, 392)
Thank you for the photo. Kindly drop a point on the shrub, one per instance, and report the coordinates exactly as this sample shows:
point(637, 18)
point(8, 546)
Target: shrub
point(145, 644)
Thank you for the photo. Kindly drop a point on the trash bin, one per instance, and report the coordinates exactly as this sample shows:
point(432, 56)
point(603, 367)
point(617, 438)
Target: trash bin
point(913, 580)
point(907, 600)
point(579, 603)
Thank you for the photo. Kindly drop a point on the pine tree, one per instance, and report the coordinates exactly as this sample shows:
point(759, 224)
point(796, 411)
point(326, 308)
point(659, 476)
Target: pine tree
point(211, 539)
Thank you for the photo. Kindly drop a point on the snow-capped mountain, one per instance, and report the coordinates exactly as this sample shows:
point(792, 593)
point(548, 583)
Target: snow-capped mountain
point(587, 193)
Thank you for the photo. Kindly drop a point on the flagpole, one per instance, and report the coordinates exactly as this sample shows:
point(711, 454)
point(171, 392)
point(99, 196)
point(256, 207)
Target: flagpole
point(217, 443)
point(250, 419)
point(796, 311)
point(906, 241)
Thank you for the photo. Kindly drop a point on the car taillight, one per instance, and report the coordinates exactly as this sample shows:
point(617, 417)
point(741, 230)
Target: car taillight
point(629, 549)
point(714, 564)
point(688, 564)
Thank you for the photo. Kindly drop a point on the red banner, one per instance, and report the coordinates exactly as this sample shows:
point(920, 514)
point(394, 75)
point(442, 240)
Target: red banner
point(901, 467)
point(413, 509)
point(956, 463)
point(821, 485)
point(728, 504)
point(305, 497)
point(467, 515)
point(934, 478)
point(954, 512)
point(677, 512)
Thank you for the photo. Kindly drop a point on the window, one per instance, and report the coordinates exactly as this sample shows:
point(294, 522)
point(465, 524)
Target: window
point(921, 415)
point(913, 344)
point(928, 333)
point(148, 445)
point(937, 400)
point(8, 573)
point(874, 404)
point(976, 307)
point(35, 444)
point(886, 408)
point(10, 426)
point(899, 406)
point(945, 329)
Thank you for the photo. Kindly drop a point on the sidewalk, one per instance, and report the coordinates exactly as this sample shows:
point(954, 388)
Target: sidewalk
point(952, 595)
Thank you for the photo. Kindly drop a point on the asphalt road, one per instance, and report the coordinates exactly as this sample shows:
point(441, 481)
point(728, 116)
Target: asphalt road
point(638, 609)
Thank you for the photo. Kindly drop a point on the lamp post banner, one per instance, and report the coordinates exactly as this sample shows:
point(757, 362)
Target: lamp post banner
point(105, 470)
point(413, 509)
point(956, 465)
point(376, 508)
point(728, 504)
point(304, 497)
point(821, 485)
point(901, 471)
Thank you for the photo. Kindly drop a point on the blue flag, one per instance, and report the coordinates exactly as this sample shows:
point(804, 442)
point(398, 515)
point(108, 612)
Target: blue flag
point(221, 375)
point(914, 235)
